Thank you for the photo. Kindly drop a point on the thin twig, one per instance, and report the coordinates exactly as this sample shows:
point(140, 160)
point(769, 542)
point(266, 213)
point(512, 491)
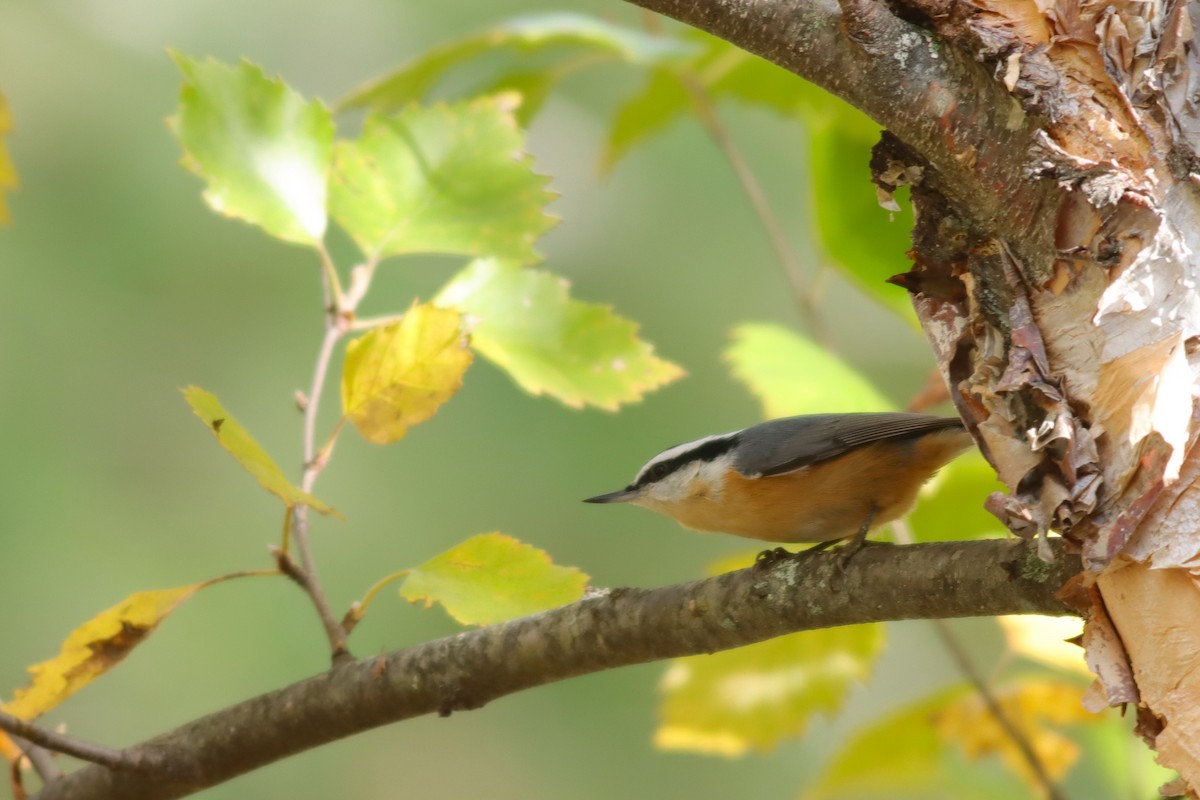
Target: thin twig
point(339, 318)
point(97, 754)
point(41, 758)
point(1018, 737)
point(803, 293)
point(957, 652)
point(312, 468)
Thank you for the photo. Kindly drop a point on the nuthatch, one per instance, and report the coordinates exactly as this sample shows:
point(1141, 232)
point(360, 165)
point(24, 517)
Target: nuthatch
point(817, 478)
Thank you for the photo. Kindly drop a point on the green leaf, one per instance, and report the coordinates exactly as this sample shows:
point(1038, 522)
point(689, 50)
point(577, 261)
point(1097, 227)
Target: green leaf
point(840, 140)
point(721, 71)
point(847, 208)
point(241, 445)
point(524, 321)
point(398, 375)
point(791, 375)
point(647, 113)
point(951, 505)
point(491, 578)
point(755, 696)
point(533, 87)
point(445, 179)
point(262, 149)
point(571, 37)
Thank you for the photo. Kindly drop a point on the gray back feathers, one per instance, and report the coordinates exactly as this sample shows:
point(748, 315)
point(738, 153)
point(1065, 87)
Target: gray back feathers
point(783, 445)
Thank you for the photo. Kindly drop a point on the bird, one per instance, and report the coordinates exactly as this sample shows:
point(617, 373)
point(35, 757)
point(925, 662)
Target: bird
point(817, 478)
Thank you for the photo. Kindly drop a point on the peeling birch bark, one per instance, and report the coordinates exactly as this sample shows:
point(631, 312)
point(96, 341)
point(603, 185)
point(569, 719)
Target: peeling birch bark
point(1052, 148)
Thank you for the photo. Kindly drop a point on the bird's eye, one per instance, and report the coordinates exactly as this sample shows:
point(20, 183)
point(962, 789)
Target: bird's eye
point(659, 471)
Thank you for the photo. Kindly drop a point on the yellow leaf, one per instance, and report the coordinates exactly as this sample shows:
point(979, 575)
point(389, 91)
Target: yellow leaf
point(1044, 639)
point(8, 172)
point(398, 375)
point(753, 697)
point(1032, 707)
point(241, 445)
point(95, 647)
point(8, 749)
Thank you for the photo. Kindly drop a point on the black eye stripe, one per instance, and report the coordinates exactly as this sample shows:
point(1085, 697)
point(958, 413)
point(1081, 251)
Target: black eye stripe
point(707, 451)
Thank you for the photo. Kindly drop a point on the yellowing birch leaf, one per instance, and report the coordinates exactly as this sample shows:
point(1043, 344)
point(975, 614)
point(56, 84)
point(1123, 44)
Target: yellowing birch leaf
point(753, 697)
point(1033, 707)
point(491, 578)
point(400, 374)
point(241, 445)
point(96, 647)
point(900, 756)
point(525, 322)
point(8, 171)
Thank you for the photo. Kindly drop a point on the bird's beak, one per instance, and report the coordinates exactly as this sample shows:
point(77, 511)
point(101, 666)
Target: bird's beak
point(619, 496)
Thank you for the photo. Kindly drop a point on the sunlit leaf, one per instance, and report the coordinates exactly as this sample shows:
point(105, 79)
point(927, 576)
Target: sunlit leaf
point(445, 179)
point(1037, 708)
point(751, 698)
point(241, 445)
point(791, 375)
point(491, 578)
point(398, 375)
point(525, 321)
point(950, 506)
point(901, 757)
point(263, 150)
point(97, 646)
point(566, 37)
point(1044, 639)
point(8, 170)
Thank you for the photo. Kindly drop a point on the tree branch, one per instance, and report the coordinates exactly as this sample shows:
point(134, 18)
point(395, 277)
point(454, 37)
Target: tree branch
point(609, 629)
point(943, 104)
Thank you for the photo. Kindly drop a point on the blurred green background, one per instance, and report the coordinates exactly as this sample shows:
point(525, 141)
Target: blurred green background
point(120, 286)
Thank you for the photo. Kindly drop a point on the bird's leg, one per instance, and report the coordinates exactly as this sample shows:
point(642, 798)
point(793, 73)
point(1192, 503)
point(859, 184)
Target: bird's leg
point(768, 558)
point(856, 541)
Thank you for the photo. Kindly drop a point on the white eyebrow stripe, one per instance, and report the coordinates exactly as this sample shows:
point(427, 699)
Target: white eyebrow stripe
point(680, 449)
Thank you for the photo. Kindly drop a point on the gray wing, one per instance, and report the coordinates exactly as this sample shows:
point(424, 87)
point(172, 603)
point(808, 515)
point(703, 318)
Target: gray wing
point(783, 445)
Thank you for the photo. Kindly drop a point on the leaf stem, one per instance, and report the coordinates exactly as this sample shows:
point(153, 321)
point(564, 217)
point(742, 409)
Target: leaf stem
point(334, 298)
point(366, 323)
point(359, 609)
